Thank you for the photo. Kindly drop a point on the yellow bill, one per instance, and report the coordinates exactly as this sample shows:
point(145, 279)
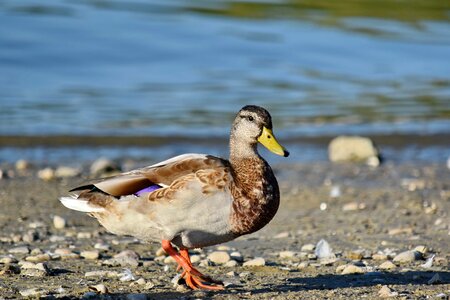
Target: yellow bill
point(270, 142)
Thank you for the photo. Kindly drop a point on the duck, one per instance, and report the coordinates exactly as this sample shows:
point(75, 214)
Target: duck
point(192, 200)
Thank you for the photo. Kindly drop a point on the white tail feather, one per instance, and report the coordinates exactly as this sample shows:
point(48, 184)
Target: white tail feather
point(79, 204)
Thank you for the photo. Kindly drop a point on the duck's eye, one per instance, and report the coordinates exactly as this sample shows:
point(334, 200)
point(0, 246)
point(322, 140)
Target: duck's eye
point(250, 118)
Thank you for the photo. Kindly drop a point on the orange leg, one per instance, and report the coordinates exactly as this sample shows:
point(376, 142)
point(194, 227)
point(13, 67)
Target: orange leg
point(194, 279)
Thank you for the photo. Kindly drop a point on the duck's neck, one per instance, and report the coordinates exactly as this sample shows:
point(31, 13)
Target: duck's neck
point(255, 189)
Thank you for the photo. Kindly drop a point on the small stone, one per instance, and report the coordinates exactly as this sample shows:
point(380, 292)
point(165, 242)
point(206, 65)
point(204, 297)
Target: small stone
point(126, 258)
point(323, 250)
point(36, 224)
point(231, 263)
point(258, 261)
point(400, 230)
point(308, 247)
point(351, 149)
point(407, 256)
point(66, 172)
point(287, 254)
point(56, 239)
point(127, 275)
point(231, 274)
point(223, 248)
point(90, 254)
point(103, 166)
point(352, 269)
point(237, 256)
point(149, 285)
point(19, 250)
point(141, 281)
point(34, 270)
point(379, 256)
point(421, 249)
point(386, 292)
point(84, 235)
point(109, 274)
point(46, 174)
point(282, 235)
point(102, 246)
point(36, 251)
point(303, 265)
point(99, 289)
point(353, 206)
point(169, 260)
point(22, 165)
point(219, 257)
point(8, 260)
point(33, 292)
point(38, 258)
point(340, 268)
point(354, 255)
point(195, 258)
point(63, 251)
point(30, 236)
point(59, 222)
point(387, 265)
point(160, 252)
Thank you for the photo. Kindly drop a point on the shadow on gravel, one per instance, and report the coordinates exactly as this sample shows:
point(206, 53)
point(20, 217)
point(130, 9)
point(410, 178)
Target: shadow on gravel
point(331, 281)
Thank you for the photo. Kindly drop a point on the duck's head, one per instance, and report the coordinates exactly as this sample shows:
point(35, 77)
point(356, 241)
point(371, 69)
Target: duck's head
point(253, 124)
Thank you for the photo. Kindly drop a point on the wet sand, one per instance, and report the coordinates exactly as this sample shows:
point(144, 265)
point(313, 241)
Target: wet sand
point(368, 216)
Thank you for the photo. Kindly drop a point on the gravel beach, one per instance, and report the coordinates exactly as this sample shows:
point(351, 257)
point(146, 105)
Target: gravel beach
point(343, 231)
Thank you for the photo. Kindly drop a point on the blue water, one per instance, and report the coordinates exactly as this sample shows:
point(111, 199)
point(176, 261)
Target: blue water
point(185, 67)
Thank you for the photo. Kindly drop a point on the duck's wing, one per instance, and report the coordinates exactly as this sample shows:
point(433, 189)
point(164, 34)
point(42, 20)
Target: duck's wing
point(162, 174)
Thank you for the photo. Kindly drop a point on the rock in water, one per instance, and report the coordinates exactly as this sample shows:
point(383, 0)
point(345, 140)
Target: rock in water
point(353, 149)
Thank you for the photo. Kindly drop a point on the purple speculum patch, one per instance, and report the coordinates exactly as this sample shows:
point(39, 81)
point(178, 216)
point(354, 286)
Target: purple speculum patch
point(148, 189)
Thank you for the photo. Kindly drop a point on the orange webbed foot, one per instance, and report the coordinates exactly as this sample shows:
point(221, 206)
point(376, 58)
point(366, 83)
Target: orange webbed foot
point(193, 278)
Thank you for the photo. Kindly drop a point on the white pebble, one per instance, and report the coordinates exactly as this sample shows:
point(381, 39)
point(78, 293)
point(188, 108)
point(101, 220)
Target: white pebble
point(91, 254)
point(46, 174)
point(352, 269)
point(59, 222)
point(387, 265)
point(407, 256)
point(287, 254)
point(219, 257)
point(258, 261)
point(323, 250)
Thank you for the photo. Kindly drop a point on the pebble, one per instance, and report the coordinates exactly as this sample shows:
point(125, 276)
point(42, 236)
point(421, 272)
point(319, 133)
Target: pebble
point(110, 274)
point(287, 254)
point(66, 172)
point(386, 292)
point(102, 166)
point(57, 238)
point(352, 148)
point(99, 288)
point(353, 206)
point(59, 222)
point(46, 174)
point(22, 165)
point(84, 235)
point(19, 250)
point(400, 230)
point(308, 247)
point(90, 254)
point(407, 256)
point(303, 265)
point(352, 269)
point(379, 256)
point(195, 258)
point(258, 261)
point(219, 257)
point(38, 258)
point(36, 251)
point(323, 250)
point(33, 292)
point(126, 258)
point(223, 248)
point(36, 224)
point(354, 255)
point(33, 270)
point(170, 260)
point(30, 236)
point(387, 265)
point(231, 263)
point(141, 281)
point(282, 235)
point(102, 246)
point(237, 256)
point(231, 274)
point(8, 260)
point(421, 249)
point(160, 252)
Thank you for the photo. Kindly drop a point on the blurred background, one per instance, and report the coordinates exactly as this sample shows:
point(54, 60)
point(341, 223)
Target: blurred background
point(86, 78)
